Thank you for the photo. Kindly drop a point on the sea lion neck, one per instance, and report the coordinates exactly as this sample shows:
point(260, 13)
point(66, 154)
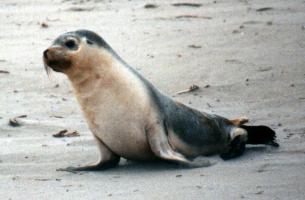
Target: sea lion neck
point(94, 67)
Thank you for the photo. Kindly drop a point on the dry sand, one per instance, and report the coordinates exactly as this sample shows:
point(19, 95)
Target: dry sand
point(253, 61)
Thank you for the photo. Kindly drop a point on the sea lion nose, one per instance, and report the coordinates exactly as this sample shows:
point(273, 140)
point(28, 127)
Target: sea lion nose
point(45, 54)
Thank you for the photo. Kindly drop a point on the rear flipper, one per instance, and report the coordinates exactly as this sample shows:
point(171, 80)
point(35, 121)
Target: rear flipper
point(260, 135)
point(237, 145)
point(248, 135)
point(236, 148)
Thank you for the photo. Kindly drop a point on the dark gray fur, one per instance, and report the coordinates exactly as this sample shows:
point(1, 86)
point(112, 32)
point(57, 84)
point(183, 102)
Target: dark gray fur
point(89, 35)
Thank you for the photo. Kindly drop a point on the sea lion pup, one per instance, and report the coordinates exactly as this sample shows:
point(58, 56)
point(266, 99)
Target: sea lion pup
point(130, 118)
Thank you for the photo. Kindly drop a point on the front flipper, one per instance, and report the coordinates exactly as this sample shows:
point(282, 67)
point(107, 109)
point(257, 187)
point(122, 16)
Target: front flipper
point(107, 160)
point(158, 141)
point(100, 165)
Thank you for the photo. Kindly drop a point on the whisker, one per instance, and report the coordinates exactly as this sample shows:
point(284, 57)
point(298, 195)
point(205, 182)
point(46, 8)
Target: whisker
point(48, 69)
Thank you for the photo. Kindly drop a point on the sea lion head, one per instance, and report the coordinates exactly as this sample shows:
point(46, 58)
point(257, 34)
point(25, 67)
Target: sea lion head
point(75, 52)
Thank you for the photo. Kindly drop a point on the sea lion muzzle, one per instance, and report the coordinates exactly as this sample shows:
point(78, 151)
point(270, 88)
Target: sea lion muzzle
point(56, 58)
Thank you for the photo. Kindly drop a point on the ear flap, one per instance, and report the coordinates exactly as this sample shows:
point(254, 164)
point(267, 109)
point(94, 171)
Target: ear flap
point(89, 41)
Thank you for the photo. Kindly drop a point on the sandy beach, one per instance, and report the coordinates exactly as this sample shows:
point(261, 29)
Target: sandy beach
point(246, 56)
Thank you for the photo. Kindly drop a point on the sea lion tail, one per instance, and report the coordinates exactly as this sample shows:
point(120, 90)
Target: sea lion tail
point(260, 135)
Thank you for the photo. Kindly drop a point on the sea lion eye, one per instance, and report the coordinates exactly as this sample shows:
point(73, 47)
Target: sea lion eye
point(70, 43)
